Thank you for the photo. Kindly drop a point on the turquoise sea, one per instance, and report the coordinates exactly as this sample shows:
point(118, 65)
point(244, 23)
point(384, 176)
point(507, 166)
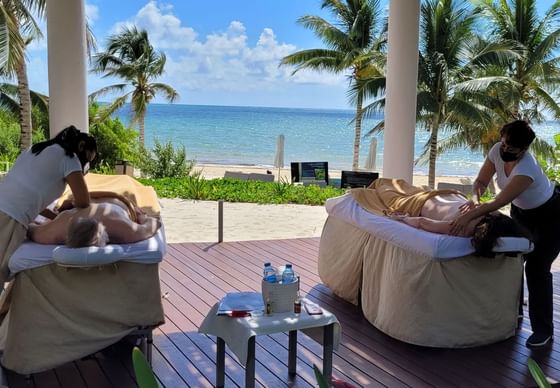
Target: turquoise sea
point(247, 136)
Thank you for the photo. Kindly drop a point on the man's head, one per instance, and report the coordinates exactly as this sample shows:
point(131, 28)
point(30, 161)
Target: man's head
point(85, 232)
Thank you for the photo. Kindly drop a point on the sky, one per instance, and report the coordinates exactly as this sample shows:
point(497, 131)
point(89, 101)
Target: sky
point(223, 52)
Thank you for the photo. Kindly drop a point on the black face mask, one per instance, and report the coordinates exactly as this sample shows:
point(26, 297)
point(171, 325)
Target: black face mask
point(508, 156)
point(82, 156)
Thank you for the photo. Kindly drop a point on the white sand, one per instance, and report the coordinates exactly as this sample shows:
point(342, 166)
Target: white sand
point(211, 171)
point(197, 221)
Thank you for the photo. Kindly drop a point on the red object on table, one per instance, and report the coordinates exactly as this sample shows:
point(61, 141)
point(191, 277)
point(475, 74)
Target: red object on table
point(239, 314)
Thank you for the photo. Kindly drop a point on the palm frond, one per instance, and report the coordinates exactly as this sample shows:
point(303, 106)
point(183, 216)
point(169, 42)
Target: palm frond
point(106, 111)
point(170, 94)
point(106, 90)
point(4, 39)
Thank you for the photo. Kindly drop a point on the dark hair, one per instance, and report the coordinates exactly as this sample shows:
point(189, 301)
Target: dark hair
point(490, 228)
point(518, 134)
point(69, 139)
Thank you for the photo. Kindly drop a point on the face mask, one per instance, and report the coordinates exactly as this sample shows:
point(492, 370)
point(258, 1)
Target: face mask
point(82, 156)
point(508, 156)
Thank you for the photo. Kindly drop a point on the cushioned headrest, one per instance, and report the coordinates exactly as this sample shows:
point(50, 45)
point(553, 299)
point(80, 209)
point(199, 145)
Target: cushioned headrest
point(513, 244)
point(87, 256)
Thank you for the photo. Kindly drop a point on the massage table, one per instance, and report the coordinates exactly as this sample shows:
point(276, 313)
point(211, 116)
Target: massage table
point(53, 314)
point(420, 287)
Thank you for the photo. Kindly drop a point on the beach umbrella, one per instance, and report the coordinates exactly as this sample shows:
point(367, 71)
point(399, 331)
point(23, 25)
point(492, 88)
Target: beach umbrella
point(372, 155)
point(279, 157)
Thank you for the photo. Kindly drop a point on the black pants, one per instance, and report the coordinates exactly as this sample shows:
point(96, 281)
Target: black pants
point(544, 224)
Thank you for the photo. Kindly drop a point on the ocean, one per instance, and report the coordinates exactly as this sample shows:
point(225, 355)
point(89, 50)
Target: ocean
point(247, 136)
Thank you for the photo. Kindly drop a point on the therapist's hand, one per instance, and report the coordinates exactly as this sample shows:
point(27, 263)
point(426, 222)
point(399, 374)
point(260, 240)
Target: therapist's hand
point(469, 205)
point(459, 224)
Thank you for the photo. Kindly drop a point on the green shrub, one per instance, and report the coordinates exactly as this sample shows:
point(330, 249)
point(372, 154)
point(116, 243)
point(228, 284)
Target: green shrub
point(235, 190)
point(195, 186)
point(9, 138)
point(164, 160)
point(552, 168)
point(115, 142)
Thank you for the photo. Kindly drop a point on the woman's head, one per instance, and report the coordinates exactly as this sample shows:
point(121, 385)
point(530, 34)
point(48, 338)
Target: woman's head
point(491, 227)
point(86, 232)
point(74, 142)
point(516, 138)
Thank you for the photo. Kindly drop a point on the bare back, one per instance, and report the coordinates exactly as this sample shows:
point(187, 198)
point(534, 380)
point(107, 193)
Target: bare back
point(443, 207)
point(115, 218)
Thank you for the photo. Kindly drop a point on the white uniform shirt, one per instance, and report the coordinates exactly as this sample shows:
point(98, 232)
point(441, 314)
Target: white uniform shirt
point(537, 193)
point(35, 181)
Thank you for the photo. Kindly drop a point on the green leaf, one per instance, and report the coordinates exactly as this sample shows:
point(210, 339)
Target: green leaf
point(144, 374)
point(4, 40)
point(538, 374)
point(320, 378)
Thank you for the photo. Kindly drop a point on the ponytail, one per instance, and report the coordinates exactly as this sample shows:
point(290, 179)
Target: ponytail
point(68, 139)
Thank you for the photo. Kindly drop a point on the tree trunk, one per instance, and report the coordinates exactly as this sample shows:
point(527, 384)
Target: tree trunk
point(24, 106)
point(357, 133)
point(433, 153)
point(141, 125)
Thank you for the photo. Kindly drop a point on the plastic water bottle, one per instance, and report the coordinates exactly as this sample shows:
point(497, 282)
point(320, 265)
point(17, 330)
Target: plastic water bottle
point(288, 276)
point(269, 273)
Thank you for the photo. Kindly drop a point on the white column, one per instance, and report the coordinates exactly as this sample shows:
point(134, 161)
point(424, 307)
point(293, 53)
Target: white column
point(402, 75)
point(66, 37)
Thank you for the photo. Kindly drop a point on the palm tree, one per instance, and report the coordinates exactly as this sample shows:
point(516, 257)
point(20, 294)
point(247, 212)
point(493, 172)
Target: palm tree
point(358, 32)
point(451, 96)
point(9, 99)
point(529, 82)
point(131, 57)
point(534, 75)
point(22, 28)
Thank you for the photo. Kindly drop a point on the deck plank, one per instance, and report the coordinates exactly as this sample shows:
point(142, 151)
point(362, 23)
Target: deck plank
point(194, 276)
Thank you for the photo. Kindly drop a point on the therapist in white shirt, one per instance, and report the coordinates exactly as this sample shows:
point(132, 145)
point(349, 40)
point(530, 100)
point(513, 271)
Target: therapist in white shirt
point(37, 178)
point(535, 203)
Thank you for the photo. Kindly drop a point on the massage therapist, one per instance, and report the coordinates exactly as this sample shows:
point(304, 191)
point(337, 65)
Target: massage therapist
point(535, 204)
point(38, 177)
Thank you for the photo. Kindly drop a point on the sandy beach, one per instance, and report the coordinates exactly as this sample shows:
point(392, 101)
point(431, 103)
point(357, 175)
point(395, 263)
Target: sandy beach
point(197, 221)
point(211, 171)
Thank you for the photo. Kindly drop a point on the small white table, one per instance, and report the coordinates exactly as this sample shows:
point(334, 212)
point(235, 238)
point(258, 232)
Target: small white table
point(239, 334)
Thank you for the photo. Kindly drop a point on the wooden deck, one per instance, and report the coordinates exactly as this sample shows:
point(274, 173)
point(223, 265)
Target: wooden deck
point(195, 276)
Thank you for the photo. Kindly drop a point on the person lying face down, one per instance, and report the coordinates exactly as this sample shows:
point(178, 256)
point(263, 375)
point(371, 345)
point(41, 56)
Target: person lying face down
point(98, 224)
point(438, 213)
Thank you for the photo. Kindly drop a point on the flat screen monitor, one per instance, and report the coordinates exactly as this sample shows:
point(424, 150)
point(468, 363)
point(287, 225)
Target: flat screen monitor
point(353, 179)
point(309, 172)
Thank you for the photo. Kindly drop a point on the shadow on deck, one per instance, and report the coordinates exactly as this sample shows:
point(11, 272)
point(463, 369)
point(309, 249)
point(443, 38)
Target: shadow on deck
point(194, 276)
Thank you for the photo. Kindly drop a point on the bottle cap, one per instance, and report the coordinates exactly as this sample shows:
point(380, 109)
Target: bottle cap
point(288, 266)
point(266, 264)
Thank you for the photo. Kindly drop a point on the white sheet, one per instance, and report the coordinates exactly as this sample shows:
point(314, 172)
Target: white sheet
point(31, 255)
point(437, 246)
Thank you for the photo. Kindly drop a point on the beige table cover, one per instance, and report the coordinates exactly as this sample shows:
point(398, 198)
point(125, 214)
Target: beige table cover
point(53, 315)
point(464, 302)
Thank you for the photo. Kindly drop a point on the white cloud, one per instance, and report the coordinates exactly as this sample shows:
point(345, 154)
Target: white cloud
point(223, 60)
point(92, 13)
point(164, 28)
